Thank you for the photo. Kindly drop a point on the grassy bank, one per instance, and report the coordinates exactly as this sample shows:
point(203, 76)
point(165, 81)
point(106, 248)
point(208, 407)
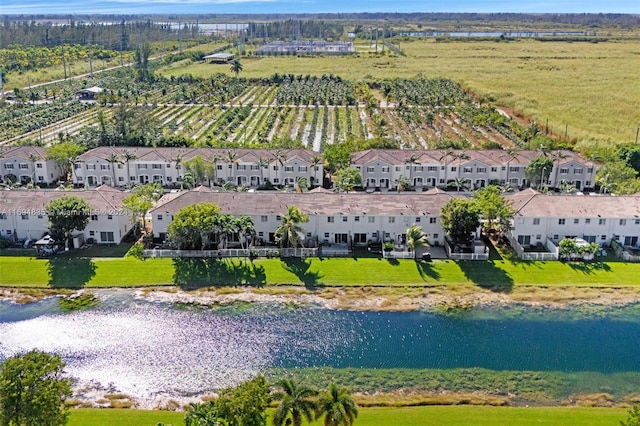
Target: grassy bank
point(501, 275)
point(562, 82)
point(406, 416)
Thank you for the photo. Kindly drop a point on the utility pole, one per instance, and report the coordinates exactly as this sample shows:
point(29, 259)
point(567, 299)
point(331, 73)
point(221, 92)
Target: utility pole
point(2, 86)
point(64, 63)
point(90, 62)
point(376, 40)
point(180, 36)
point(637, 130)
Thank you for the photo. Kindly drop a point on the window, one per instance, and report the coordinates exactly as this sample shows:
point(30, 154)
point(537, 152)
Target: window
point(169, 179)
point(264, 218)
point(602, 221)
point(555, 237)
point(441, 180)
point(94, 217)
point(260, 234)
point(24, 166)
point(433, 219)
point(432, 168)
point(385, 169)
point(106, 237)
point(92, 233)
point(442, 167)
point(302, 168)
point(397, 168)
point(3, 216)
point(109, 217)
point(288, 169)
point(564, 171)
point(241, 167)
point(120, 179)
point(219, 167)
point(467, 170)
point(8, 232)
point(587, 183)
point(278, 217)
point(603, 237)
point(275, 168)
point(418, 168)
point(587, 221)
point(24, 216)
point(345, 218)
point(590, 170)
point(454, 168)
point(326, 235)
point(371, 169)
point(330, 219)
point(514, 169)
point(157, 166)
point(119, 166)
point(142, 166)
point(561, 221)
point(371, 219)
point(40, 178)
point(494, 169)
point(576, 220)
point(132, 178)
point(91, 166)
point(159, 217)
point(577, 171)
point(80, 178)
point(357, 218)
point(38, 165)
point(392, 220)
point(8, 166)
point(168, 165)
point(254, 167)
point(536, 221)
point(418, 219)
point(503, 168)
point(616, 237)
point(481, 170)
point(538, 237)
point(105, 166)
point(637, 221)
point(623, 222)
point(435, 236)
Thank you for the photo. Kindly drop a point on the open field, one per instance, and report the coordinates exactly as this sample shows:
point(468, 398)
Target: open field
point(502, 275)
point(589, 87)
point(406, 416)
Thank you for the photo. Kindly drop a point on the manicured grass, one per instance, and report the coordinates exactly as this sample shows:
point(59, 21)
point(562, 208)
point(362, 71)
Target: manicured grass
point(562, 82)
point(127, 272)
point(406, 416)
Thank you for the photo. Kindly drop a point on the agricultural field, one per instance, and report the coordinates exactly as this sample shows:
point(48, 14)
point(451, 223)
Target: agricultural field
point(314, 111)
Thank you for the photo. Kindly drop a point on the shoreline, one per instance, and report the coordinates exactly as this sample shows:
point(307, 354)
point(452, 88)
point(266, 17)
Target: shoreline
point(365, 298)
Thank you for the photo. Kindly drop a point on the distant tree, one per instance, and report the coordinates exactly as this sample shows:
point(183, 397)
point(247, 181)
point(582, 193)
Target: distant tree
point(416, 238)
point(618, 178)
point(346, 179)
point(138, 207)
point(67, 214)
point(630, 154)
point(236, 67)
point(65, 154)
point(33, 390)
point(296, 402)
point(402, 183)
point(246, 404)
point(538, 171)
point(460, 219)
point(337, 406)
point(568, 248)
point(633, 417)
point(289, 232)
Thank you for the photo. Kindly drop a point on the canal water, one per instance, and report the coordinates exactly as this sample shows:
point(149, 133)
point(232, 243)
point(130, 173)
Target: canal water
point(145, 348)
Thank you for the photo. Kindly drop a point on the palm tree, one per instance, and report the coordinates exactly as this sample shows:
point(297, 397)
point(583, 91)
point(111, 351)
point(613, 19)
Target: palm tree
point(557, 156)
point(462, 156)
point(337, 406)
point(511, 155)
point(33, 158)
point(236, 67)
point(460, 183)
point(446, 154)
point(289, 232)
point(128, 157)
point(302, 184)
point(411, 161)
point(113, 159)
point(567, 187)
point(315, 162)
point(262, 164)
point(202, 414)
point(232, 158)
point(295, 401)
point(416, 238)
point(280, 158)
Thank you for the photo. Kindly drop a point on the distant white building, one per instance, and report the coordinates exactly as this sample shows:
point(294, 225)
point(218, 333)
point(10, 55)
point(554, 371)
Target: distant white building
point(26, 163)
point(22, 214)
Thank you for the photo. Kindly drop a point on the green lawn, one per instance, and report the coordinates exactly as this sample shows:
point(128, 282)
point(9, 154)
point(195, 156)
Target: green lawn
point(65, 272)
point(406, 416)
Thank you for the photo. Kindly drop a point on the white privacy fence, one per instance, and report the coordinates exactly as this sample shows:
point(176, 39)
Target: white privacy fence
point(254, 252)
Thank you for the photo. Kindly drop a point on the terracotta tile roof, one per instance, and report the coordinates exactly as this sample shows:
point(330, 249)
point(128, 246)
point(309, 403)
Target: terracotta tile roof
point(531, 203)
point(103, 198)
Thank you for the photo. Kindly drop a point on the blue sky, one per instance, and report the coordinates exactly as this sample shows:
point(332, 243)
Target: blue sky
point(313, 6)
